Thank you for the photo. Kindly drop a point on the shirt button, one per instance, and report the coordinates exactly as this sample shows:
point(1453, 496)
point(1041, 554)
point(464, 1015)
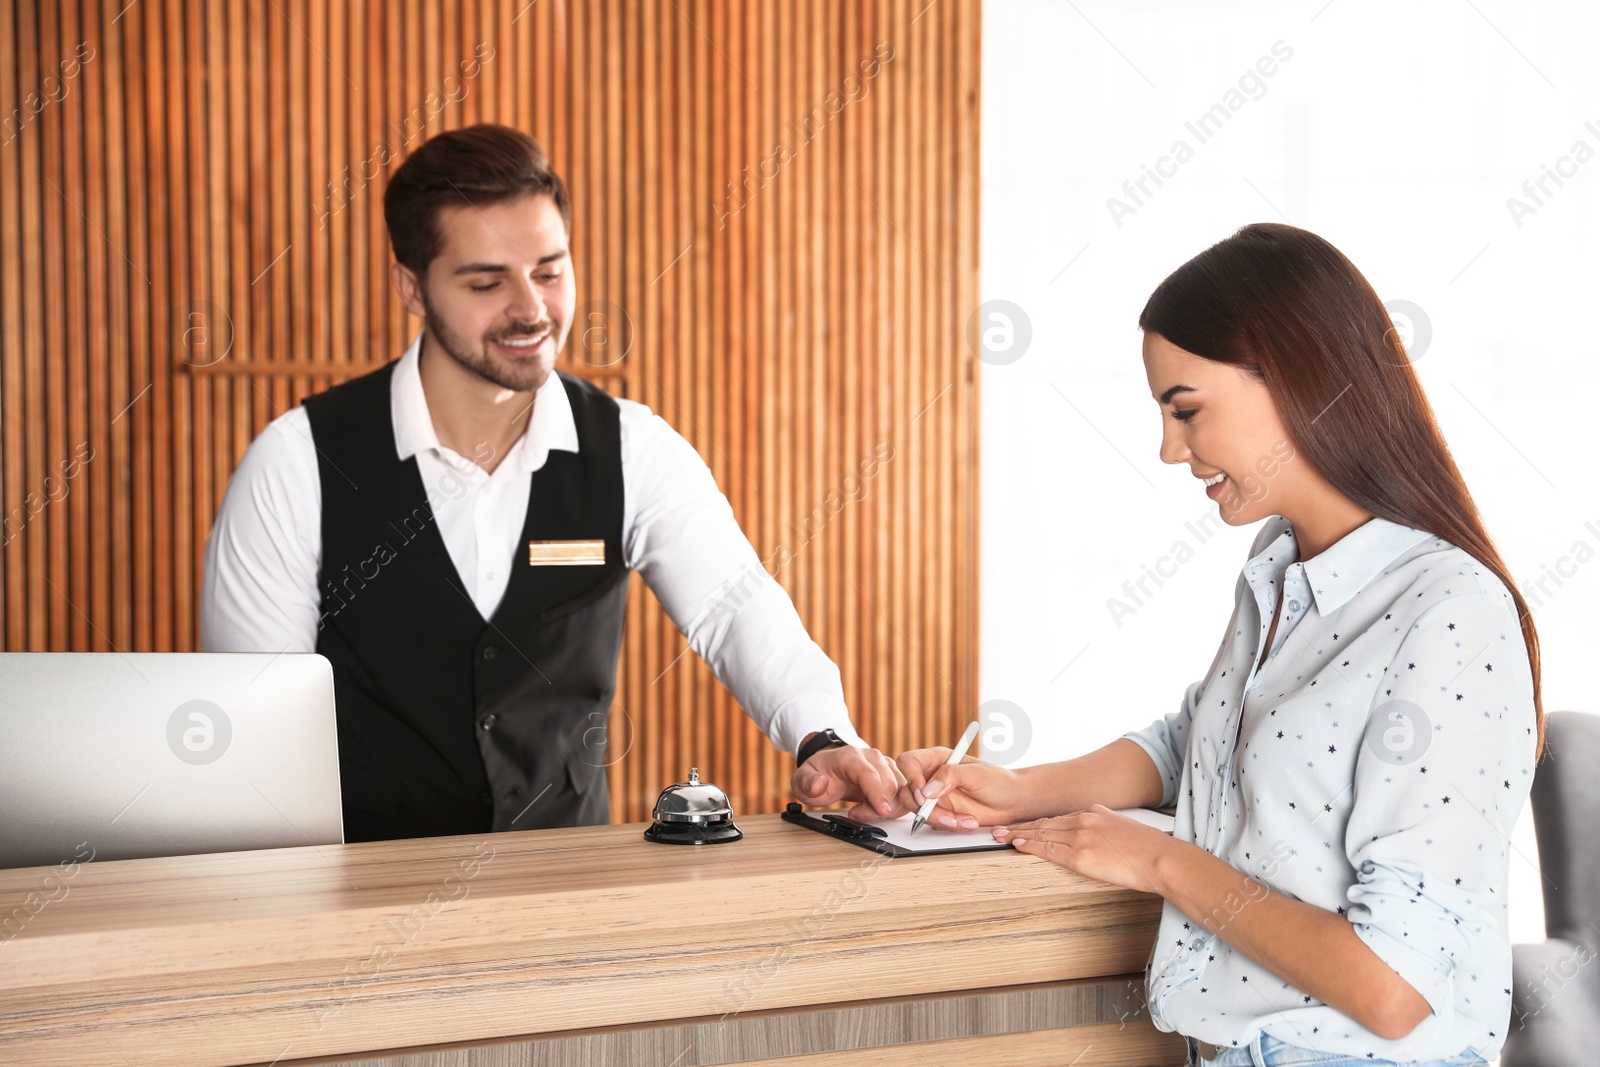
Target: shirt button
point(488, 721)
point(489, 577)
point(490, 652)
point(1294, 605)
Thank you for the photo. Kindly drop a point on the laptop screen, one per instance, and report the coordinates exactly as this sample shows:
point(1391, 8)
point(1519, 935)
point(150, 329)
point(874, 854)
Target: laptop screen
point(120, 756)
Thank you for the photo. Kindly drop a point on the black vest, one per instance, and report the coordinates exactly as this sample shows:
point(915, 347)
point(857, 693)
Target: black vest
point(449, 724)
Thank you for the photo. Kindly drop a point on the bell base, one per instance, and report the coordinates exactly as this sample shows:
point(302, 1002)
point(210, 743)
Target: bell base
point(666, 833)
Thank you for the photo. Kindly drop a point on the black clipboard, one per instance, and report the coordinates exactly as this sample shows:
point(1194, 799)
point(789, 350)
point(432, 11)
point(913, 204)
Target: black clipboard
point(837, 825)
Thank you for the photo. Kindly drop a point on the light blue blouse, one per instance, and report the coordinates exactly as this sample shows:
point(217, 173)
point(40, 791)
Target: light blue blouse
point(1374, 766)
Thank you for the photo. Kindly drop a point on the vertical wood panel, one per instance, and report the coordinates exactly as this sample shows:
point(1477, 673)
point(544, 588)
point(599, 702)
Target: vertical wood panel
point(192, 241)
point(52, 426)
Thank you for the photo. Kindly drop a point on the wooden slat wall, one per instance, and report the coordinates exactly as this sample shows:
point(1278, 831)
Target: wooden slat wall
point(192, 240)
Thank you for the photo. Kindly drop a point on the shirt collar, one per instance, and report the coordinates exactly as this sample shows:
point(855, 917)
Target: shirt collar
point(1345, 567)
point(551, 427)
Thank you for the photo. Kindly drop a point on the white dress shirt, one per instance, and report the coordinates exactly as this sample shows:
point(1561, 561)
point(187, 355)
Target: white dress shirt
point(1374, 766)
point(678, 531)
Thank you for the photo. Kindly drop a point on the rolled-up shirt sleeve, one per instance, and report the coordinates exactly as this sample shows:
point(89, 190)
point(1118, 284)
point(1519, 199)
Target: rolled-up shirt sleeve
point(1166, 740)
point(1444, 769)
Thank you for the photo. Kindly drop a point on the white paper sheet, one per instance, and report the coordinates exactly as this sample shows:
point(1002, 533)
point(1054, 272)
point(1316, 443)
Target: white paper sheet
point(932, 838)
point(1157, 819)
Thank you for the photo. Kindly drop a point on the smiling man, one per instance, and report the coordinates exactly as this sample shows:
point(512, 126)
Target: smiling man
point(454, 533)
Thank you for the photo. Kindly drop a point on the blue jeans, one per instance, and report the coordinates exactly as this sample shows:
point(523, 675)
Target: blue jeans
point(1266, 1051)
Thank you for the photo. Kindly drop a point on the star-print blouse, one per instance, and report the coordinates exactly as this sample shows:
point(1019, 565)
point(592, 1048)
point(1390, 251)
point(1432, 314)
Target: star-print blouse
point(1374, 766)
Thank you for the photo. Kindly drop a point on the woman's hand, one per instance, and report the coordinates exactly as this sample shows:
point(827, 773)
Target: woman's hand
point(1097, 843)
point(971, 794)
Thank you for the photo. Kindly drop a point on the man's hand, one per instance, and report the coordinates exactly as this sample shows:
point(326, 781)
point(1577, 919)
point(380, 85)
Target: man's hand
point(849, 773)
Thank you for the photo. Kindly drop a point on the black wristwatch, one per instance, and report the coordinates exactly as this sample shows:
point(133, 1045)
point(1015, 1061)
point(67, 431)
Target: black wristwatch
point(822, 739)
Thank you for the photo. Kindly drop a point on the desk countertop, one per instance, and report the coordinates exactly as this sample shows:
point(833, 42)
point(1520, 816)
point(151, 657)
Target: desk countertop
point(248, 957)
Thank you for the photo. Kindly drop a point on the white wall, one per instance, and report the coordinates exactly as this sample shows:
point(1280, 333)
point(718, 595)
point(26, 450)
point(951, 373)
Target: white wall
point(1398, 132)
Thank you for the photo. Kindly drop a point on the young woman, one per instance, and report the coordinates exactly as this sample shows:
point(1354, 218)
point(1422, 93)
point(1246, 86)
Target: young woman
point(1347, 774)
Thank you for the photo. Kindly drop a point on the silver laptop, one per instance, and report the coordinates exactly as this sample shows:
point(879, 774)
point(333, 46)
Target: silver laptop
point(164, 754)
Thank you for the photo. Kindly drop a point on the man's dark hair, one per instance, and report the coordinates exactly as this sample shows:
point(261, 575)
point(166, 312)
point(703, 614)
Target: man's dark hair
point(481, 165)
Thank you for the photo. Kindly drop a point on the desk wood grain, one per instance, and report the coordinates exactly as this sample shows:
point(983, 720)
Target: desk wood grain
point(256, 957)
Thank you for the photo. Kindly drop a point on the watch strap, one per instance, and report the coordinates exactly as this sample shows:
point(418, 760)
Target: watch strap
point(821, 740)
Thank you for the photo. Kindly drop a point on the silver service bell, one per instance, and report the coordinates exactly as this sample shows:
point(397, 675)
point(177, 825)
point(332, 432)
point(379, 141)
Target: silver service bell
point(692, 813)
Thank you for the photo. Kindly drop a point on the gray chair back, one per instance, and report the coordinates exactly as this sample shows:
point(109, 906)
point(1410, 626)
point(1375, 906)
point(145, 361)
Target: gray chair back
point(1555, 997)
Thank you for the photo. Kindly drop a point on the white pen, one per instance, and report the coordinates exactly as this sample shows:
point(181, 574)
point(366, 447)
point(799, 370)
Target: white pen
point(955, 758)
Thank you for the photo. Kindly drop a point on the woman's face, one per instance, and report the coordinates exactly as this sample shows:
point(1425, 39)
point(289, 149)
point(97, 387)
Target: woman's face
point(1222, 423)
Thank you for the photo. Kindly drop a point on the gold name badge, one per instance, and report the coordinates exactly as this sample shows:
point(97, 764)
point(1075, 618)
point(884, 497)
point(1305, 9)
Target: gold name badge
point(566, 553)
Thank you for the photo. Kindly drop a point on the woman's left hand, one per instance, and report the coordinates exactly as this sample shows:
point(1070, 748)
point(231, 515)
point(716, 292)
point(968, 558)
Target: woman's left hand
point(1097, 843)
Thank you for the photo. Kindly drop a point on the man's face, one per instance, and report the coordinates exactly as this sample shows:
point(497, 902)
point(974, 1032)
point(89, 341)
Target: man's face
point(498, 298)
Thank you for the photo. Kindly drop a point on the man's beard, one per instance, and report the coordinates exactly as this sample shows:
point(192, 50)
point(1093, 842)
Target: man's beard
point(518, 377)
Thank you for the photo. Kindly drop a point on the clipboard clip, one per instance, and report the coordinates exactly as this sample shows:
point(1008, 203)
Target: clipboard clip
point(848, 828)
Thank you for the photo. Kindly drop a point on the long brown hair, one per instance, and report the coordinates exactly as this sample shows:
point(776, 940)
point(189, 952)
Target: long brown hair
point(1287, 307)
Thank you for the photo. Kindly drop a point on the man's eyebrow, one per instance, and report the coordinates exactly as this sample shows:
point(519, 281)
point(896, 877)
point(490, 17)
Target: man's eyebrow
point(1166, 397)
point(501, 268)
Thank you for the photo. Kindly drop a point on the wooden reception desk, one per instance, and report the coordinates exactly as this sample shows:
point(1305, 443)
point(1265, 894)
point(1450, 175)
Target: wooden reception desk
point(586, 946)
